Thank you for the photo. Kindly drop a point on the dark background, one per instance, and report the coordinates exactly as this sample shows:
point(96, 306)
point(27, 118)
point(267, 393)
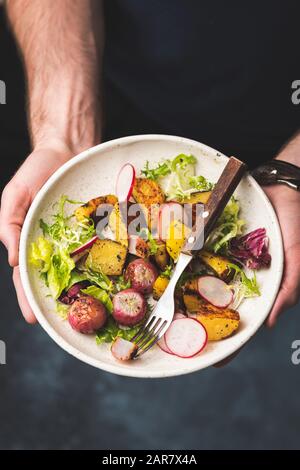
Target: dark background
point(50, 400)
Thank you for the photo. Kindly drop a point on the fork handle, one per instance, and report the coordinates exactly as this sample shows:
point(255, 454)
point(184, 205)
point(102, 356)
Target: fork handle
point(221, 193)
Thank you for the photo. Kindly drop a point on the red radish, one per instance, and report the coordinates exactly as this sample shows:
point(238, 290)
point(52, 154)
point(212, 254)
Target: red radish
point(85, 246)
point(215, 291)
point(186, 337)
point(87, 315)
point(142, 275)
point(129, 307)
point(123, 350)
point(125, 182)
point(163, 345)
point(138, 246)
point(167, 214)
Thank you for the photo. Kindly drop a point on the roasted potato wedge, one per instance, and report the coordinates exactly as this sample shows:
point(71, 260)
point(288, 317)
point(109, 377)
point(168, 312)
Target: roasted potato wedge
point(150, 196)
point(193, 302)
point(219, 323)
point(147, 192)
point(161, 257)
point(191, 286)
point(201, 197)
point(88, 209)
point(219, 264)
point(176, 237)
point(160, 286)
point(107, 256)
point(118, 226)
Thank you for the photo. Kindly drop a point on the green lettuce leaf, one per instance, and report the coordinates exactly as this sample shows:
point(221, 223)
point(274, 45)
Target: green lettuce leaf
point(65, 231)
point(200, 183)
point(100, 279)
point(40, 254)
point(59, 273)
point(242, 285)
point(121, 284)
point(100, 295)
point(111, 331)
point(76, 276)
point(229, 225)
point(62, 310)
point(177, 177)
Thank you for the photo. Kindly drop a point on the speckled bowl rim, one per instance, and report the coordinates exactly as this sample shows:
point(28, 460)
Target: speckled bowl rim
point(117, 368)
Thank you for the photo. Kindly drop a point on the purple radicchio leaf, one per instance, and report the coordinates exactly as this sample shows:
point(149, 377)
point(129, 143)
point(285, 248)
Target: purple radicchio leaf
point(252, 249)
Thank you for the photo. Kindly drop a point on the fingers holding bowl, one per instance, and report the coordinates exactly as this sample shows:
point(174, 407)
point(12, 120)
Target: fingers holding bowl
point(22, 299)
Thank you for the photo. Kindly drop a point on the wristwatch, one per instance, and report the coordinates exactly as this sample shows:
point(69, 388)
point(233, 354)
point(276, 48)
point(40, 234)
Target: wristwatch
point(277, 172)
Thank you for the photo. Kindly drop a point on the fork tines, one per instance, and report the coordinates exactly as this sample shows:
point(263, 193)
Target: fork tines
point(148, 334)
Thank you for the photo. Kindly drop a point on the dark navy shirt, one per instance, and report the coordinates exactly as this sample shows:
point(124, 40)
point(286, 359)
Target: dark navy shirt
point(218, 71)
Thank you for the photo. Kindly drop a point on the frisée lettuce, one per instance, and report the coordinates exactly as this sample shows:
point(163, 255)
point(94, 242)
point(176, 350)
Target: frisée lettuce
point(177, 177)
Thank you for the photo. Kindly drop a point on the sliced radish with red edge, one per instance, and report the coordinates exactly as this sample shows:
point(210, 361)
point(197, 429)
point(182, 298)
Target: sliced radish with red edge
point(186, 337)
point(178, 315)
point(125, 182)
point(215, 291)
point(163, 345)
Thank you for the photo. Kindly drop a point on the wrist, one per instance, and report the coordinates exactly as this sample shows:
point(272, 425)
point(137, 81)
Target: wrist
point(291, 151)
point(281, 192)
point(65, 114)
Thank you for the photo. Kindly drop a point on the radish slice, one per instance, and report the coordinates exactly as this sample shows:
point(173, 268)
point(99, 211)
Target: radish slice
point(125, 182)
point(215, 291)
point(163, 345)
point(85, 246)
point(123, 350)
point(178, 315)
point(167, 214)
point(186, 337)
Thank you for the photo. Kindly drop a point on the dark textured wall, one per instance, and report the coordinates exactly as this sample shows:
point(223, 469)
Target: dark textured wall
point(50, 400)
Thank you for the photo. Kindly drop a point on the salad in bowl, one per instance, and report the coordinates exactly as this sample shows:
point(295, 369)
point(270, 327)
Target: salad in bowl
point(107, 262)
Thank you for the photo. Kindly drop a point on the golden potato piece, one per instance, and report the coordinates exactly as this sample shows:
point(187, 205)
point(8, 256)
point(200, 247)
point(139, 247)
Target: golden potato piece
point(219, 323)
point(147, 192)
point(191, 286)
point(117, 226)
point(161, 256)
point(88, 209)
point(201, 197)
point(107, 257)
point(160, 286)
point(193, 302)
point(177, 234)
point(219, 264)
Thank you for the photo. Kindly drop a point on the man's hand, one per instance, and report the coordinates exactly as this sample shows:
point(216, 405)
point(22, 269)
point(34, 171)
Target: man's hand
point(16, 199)
point(286, 203)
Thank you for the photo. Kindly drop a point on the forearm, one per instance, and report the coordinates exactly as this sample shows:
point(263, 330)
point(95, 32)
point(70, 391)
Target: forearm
point(63, 65)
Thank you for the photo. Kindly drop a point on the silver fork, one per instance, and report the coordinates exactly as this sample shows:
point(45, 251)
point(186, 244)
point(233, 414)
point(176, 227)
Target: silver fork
point(161, 317)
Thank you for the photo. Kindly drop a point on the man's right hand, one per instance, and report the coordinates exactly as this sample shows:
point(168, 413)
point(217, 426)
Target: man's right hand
point(16, 200)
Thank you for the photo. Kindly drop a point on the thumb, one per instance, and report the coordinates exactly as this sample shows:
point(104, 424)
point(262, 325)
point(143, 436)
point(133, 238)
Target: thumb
point(10, 239)
point(14, 204)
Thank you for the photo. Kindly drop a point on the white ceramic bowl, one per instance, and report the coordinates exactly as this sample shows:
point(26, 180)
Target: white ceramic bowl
point(93, 173)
